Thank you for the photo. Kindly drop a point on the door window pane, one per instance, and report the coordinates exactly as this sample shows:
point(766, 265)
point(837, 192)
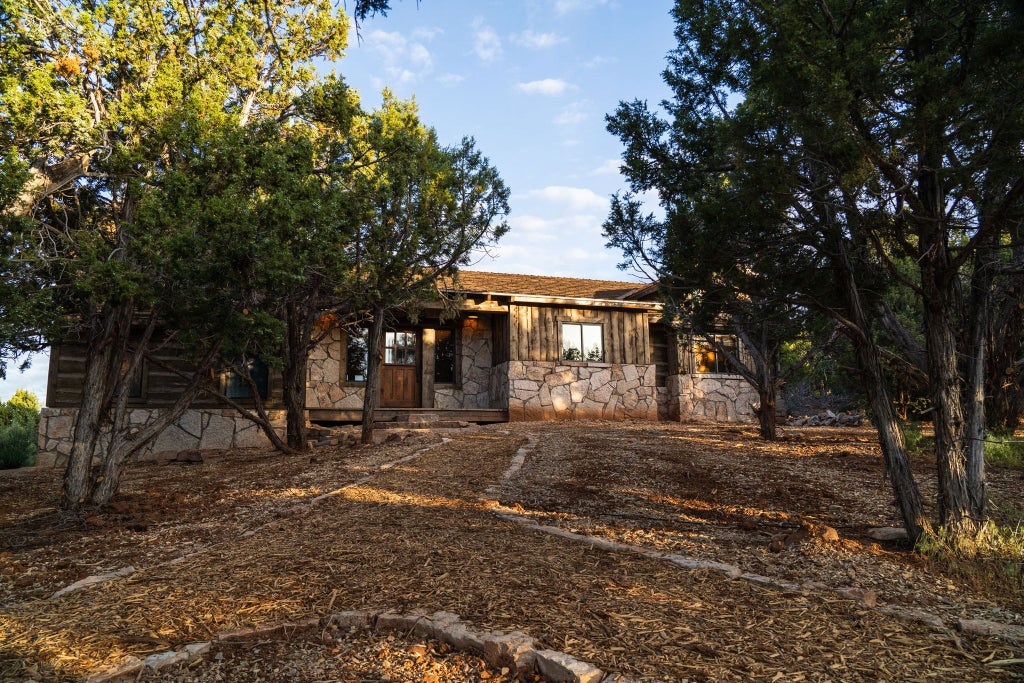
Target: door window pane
point(400, 348)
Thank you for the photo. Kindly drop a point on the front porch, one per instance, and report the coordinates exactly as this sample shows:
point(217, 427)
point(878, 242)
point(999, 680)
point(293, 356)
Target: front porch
point(479, 415)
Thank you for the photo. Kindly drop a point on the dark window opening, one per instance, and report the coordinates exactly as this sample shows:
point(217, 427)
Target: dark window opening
point(235, 385)
point(444, 356)
point(135, 380)
point(356, 356)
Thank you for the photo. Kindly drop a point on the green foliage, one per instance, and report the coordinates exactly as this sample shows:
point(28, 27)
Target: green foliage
point(913, 438)
point(992, 558)
point(1004, 450)
point(19, 426)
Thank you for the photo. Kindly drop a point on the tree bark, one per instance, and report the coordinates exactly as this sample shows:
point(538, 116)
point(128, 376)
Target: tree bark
point(110, 325)
point(371, 399)
point(766, 416)
point(293, 374)
point(887, 424)
point(123, 446)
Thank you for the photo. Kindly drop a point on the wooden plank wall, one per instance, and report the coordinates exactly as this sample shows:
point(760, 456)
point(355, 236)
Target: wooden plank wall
point(536, 332)
point(160, 387)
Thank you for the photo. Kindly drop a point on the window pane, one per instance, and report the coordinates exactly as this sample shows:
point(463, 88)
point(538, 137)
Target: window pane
point(572, 341)
point(444, 356)
point(355, 356)
point(593, 344)
point(235, 385)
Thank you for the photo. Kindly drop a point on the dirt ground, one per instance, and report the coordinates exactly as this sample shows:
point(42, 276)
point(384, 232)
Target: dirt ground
point(239, 541)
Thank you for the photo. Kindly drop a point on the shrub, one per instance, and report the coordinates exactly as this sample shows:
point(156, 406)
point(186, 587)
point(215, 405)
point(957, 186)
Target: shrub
point(17, 445)
point(994, 558)
point(1004, 451)
point(913, 437)
point(19, 425)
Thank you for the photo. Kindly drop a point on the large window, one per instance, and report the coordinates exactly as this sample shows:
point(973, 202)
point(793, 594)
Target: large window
point(582, 341)
point(235, 385)
point(444, 356)
point(355, 356)
point(707, 359)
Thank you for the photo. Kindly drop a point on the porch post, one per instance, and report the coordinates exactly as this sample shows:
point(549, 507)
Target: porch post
point(427, 369)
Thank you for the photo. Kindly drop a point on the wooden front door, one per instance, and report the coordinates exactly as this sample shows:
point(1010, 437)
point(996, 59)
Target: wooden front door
point(400, 377)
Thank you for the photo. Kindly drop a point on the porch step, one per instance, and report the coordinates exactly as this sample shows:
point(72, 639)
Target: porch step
point(423, 424)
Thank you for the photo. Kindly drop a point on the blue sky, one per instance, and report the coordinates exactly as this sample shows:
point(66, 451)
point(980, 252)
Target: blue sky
point(531, 80)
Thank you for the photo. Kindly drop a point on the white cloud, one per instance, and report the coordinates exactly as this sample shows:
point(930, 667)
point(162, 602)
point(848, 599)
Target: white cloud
point(404, 61)
point(573, 115)
point(427, 32)
point(599, 60)
point(420, 56)
point(608, 167)
point(575, 199)
point(547, 86)
point(390, 45)
point(451, 79)
point(486, 42)
point(538, 41)
point(563, 7)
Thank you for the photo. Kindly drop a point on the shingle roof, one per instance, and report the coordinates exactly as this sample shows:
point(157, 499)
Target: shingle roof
point(544, 285)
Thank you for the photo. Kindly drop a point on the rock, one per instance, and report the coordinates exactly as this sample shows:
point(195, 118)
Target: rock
point(127, 669)
point(194, 650)
point(867, 598)
point(558, 666)
point(91, 580)
point(515, 649)
point(192, 456)
point(983, 627)
point(358, 619)
point(162, 660)
point(888, 534)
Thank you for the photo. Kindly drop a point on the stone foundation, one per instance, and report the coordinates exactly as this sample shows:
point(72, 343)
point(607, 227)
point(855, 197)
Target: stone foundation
point(718, 397)
point(580, 391)
point(202, 429)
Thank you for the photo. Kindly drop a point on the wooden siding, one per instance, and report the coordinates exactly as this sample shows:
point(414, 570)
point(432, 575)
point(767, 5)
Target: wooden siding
point(536, 332)
point(160, 387)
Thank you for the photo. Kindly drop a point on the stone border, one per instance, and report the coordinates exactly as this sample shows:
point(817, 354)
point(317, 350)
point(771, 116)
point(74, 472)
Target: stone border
point(865, 597)
point(516, 649)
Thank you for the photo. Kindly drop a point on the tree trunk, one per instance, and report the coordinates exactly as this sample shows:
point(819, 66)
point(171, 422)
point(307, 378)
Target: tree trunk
point(124, 445)
point(974, 388)
point(101, 361)
point(296, 356)
point(371, 399)
point(939, 277)
point(890, 433)
point(766, 416)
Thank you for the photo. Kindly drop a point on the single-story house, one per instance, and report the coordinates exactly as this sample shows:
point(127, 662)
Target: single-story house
point(521, 347)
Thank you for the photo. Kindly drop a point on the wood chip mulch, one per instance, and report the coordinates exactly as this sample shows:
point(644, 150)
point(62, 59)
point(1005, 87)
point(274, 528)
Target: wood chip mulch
point(417, 536)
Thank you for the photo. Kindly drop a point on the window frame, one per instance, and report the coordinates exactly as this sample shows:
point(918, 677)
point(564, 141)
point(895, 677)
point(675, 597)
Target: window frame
point(584, 355)
point(456, 339)
point(229, 379)
point(364, 336)
point(722, 364)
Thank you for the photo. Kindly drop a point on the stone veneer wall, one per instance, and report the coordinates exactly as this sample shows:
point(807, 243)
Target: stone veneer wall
point(719, 397)
point(544, 390)
point(211, 428)
point(475, 390)
point(325, 385)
